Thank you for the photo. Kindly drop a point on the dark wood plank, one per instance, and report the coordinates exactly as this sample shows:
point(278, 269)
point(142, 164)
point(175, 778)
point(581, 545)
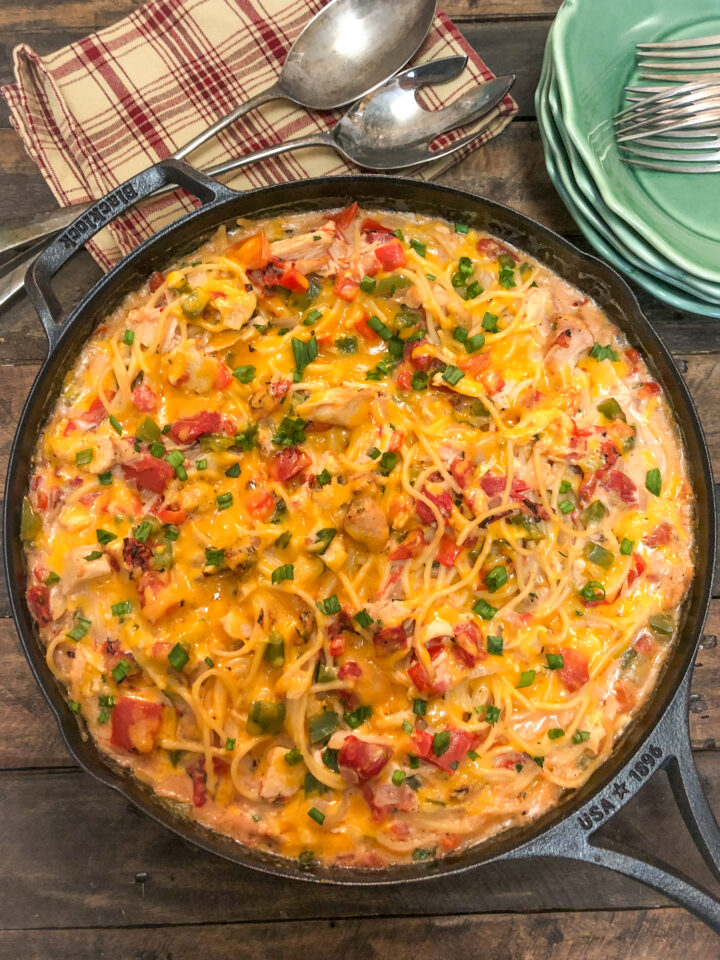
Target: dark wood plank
point(461, 10)
point(76, 854)
point(640, 934)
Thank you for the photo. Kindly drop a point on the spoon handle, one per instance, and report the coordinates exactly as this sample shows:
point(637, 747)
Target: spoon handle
point(323, 139)
point(275, 92)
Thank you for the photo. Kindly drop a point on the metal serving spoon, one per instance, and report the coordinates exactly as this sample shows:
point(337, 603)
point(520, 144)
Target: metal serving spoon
point(388, 129)
point(348, 49)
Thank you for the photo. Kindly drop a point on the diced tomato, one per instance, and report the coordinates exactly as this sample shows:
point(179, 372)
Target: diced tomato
point(396, 441)
point(38, 600)
point(253, 253)
point(649, 389)
point(384, 798)
point(460, 469)
point(188, 430)
point(171, 515)
point(259, 504)
point(468, 645)
point(644, 642)
point(288, 463)
point(360, 761)
point(391, 255)
point(621, 484)
point(508, 761)
point(136, 554)
point(135, 724)
point(149, 473)
point(637, 569)
point(448, 551)
point(199, 784)
point(422, 679)
point(449, 841)
point(442, 500)
point(403, 376)
point(87, 499)
point(389, 639)
point(337, 645)
point(574, 672)
point(345, 217)
point(350, 670)
point(412, 546)
point(278, 388)
point(155, 281)
point(493, 249)
point(626, 694)
point(435, 646)
point(562, 339)
point(661, 536)
point(223, 377)
point(493, 486)
point(145, 399)
point(93, 416)
point(460, 742)
point(374, 226)
point(475, 365)
point(161, 648)
point(362, 327)
point(292, 279)
point(399, 830)
point(346, 287)
point(413, 353)
point(492, 382)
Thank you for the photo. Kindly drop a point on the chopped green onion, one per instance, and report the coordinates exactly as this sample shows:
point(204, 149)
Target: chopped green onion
point(555, 661)
point(329, 606)
point(485, 610)
point(178, 657)
point(452, 374)
point(224, 500)
point(245, 374)
point(52, 578)
point(214, 558)
point(283, 540)
point(312, 317)
point(290, 432)
point(461, 334)
point(419, 380)
point(496, 578)
point(347, 344)
point(368, 284)
point(304, 352)
point(472, 344)
point(363, 619)
point(398, 777)
point(79, 630)
point(419, 248)
point(293, 757)
point(567, 506)
point(526, 679)
point(441, 743)
point(233, 471)
point(461, 228)
point(601, 353)
point(129, 337)
point(104, 536)
point(388, 461)
point(490, 323)
point(407, 727)
point(555, 733)
point(121, 670)
point(626, 547)
point(285, 572)
point(93, 555)
point(210, 662)
point(83, 457)
point(116, 425)
point(593, 591)
point(565, 486)
point(492, 714)
point(653, 481)
point(325, 537)
point(376, 324)
point(373, 452)
point(419, 707)
point(358, 716)
point(316, 815)
point(105, 478)
point(495, 645)
point(580, 736)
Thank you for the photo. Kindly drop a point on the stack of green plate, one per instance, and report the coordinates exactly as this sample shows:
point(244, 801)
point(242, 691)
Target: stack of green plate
point(661, 229)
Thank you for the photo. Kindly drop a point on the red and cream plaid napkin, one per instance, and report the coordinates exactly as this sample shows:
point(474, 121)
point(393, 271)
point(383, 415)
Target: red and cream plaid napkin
point(101, 109)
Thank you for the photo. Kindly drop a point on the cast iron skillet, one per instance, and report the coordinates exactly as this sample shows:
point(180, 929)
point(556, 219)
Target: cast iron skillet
point(657, 739)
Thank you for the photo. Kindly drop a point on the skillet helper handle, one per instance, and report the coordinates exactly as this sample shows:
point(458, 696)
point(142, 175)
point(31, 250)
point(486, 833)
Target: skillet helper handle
point(668, 748)
point(170, 172)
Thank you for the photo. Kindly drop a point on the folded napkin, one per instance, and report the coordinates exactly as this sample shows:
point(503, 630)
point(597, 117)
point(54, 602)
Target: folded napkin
point(100, 110)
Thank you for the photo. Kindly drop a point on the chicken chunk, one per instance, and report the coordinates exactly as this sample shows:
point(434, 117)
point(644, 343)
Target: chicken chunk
point(572, 340)
point(305, 246)
point(279, 781)
point(366, 522)
point(342, 406)
point(236, 312)
point(78, 570)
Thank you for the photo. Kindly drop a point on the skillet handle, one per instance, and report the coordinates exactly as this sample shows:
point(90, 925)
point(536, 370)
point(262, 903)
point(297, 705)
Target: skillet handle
point(668, 748)
point(40, 273)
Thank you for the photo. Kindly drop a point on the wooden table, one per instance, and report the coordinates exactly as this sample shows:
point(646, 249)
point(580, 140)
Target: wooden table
point(86, 875)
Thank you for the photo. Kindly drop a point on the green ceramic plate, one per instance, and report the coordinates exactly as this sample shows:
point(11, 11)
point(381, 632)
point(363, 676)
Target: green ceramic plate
point(623, 236)
point(595, 231)
point(593, 46)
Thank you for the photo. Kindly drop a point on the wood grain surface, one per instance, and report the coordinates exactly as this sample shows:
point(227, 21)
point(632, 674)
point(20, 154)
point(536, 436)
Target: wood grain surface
point(87, 876)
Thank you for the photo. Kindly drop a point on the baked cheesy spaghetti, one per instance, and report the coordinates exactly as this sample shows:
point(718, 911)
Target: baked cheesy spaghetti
point(358, 536)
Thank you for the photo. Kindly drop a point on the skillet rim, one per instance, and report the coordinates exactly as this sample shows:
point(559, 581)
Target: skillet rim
point(391, 192)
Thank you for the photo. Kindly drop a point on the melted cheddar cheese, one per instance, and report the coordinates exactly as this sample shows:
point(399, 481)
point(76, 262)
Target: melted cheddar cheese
point(358, 536)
